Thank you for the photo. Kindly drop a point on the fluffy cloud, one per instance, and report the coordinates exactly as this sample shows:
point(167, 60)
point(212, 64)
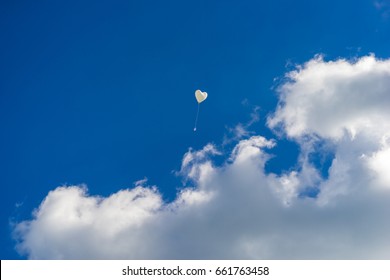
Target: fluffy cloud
point(71, 224)
point(332, 98)
point(237, 209)
point(345, 103)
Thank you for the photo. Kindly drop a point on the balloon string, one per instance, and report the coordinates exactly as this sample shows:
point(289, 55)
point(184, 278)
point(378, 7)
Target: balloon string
point(196, 119)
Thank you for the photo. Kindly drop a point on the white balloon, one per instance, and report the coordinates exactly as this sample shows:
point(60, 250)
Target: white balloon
point(200, 96)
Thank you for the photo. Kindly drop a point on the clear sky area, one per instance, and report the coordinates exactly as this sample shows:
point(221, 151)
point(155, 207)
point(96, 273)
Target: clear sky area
point(98, 154)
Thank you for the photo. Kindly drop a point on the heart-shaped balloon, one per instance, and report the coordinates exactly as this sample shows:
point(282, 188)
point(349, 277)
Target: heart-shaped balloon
point(200, 95)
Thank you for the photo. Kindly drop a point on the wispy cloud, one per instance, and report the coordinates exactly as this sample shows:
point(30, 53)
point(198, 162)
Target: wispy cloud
point(242, 130)
point(384, 7)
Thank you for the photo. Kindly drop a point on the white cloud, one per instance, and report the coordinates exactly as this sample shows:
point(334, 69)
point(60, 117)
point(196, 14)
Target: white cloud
point(196, 164)
point(379, 162)
point(70, 223)
point(347, 104)
point(332, 98)
point(237, 209)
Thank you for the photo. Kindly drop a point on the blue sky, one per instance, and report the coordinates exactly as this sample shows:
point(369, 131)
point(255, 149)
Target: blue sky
point(102, 93)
